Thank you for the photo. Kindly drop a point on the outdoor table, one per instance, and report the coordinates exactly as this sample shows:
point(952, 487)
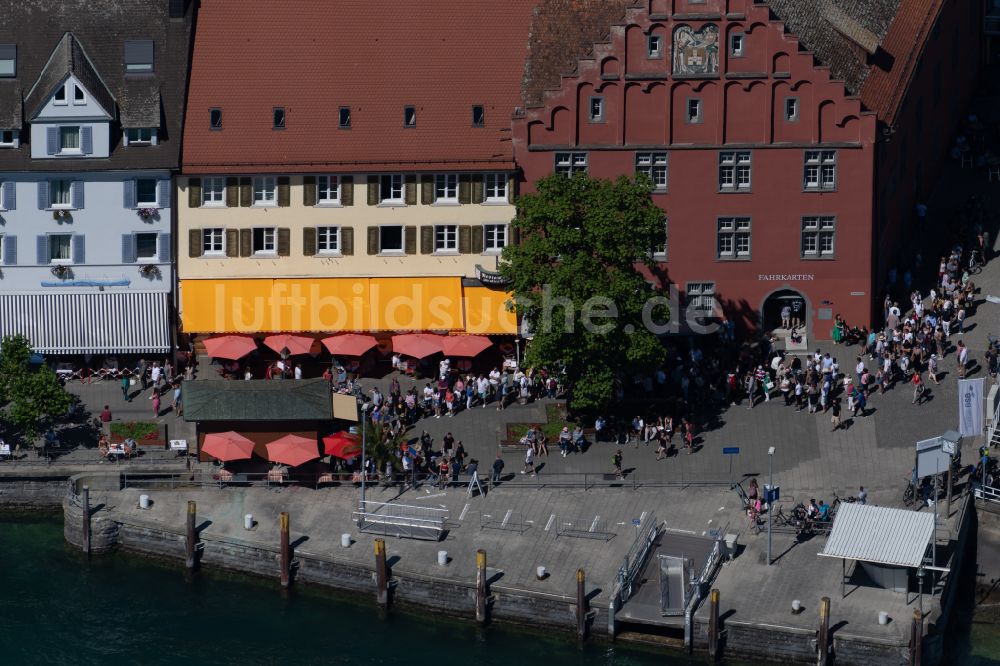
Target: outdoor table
point(179, 445)
point(5, 451)
point(277, 476)
point(116, 450)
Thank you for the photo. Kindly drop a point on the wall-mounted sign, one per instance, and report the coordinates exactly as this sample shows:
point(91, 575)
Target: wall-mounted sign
point(785, 277)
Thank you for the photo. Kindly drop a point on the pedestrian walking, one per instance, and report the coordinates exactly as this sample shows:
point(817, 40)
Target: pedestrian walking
point(862, 495)
point(156, 404)
point(835, 417)
point(498, 468)
point(963, 359)
point(126, 383)
point(616, 462)
point(529, 460)
point(178, 406)
point(918, 388)
point(106, 420)
point(932, 368)
point(141, 371)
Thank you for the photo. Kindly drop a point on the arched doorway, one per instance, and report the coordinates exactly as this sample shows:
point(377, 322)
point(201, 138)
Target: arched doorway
point(776, 302)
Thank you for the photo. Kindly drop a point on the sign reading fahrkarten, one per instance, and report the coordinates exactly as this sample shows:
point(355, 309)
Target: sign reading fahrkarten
point(785, 277)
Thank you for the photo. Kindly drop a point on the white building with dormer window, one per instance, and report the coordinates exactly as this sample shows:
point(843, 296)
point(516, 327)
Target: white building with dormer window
point(90, 127)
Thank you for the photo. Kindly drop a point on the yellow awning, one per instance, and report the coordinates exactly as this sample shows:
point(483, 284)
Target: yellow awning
point(486, 312)
point(321, 304)
point(416, 304)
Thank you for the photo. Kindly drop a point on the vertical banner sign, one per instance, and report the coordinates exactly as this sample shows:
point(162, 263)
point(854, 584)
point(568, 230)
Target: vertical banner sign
point(970, 407)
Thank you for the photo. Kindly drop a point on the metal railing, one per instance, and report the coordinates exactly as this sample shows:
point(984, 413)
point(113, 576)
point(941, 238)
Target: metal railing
point(632, 565)
point(401, 520)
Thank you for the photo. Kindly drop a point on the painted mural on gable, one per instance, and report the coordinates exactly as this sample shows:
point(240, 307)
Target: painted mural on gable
point(696, 52)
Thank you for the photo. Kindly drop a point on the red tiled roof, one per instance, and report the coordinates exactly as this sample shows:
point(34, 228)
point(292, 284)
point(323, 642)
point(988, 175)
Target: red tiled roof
point(884, 90)
point(313, 56)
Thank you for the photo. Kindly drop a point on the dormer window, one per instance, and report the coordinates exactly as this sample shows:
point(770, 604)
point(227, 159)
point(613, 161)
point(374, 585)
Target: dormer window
point(279, 118)
point(345, 117)
point(79, 97)
point(140, 136)
point(478, 116)
point(139, 56)
point(60, 96)
point(8, 59)
point(215, 119)
point(409, 116)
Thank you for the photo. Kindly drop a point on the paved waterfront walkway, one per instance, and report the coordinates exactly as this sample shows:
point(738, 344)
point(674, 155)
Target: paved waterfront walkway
point(530, 537)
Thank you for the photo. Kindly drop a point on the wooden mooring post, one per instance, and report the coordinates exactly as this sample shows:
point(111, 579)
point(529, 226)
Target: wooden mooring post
point(713, 625)
point(824, 632)
point(286, 555)
point(85, 505)
point(189, 536)
point(481, 586)
point(381, 576)
point(582, 605)
point(916, 637)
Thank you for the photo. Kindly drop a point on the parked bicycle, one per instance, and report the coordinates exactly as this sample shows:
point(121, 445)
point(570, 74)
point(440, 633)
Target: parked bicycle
point(909, 493)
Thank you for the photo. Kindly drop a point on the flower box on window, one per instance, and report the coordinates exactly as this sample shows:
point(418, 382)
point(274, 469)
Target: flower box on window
point(147, 214)
point(149, 270)
point(62, 271)
point(61, 215)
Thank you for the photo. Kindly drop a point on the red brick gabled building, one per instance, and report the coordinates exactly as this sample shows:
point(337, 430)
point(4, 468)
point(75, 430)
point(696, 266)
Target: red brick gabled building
point(786, 139)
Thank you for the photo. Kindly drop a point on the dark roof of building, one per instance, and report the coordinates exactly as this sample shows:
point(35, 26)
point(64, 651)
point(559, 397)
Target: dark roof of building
point(839, 32)
point(258, 400)
point(440, 56)
point(10, 103)
point(86, 38)
point(563, 31)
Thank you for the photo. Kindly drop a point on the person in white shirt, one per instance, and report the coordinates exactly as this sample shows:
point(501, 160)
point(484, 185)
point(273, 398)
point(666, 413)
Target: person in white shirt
point(298, 371)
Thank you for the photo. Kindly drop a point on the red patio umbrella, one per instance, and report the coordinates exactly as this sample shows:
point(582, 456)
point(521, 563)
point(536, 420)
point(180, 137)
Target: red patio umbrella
point(232, 347)
point(292, 450)
point(417, 345)
point(227, 446)
point(465, 345)
point(295, 344)
point(343, 444)
point(349, 344)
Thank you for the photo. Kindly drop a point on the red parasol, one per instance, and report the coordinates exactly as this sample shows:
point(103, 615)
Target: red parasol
point(343, 444)
point(232, 347)
point(417, 345)
point(292, 450)
point(465, 345)
point(227, 446)
point(349, 344)
point(294, 344)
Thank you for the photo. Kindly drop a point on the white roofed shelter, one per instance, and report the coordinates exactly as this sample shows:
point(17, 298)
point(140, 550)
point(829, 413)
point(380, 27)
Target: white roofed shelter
point(887, 542)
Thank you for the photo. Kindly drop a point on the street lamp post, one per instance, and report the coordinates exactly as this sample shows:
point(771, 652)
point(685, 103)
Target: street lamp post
point(770, 496)
point(364, 445)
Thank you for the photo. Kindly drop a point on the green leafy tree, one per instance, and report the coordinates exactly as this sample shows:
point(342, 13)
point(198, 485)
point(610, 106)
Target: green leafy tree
point(33, 394)
point(15, 363)
point(382, 444)
point(576, 282)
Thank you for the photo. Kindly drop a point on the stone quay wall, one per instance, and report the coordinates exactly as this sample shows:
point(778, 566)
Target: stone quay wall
point(451, 596)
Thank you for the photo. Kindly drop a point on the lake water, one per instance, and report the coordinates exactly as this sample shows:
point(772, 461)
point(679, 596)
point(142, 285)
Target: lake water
point(56, 607)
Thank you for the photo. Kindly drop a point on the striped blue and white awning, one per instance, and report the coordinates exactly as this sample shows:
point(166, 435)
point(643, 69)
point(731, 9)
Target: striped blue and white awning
point(96, 323)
